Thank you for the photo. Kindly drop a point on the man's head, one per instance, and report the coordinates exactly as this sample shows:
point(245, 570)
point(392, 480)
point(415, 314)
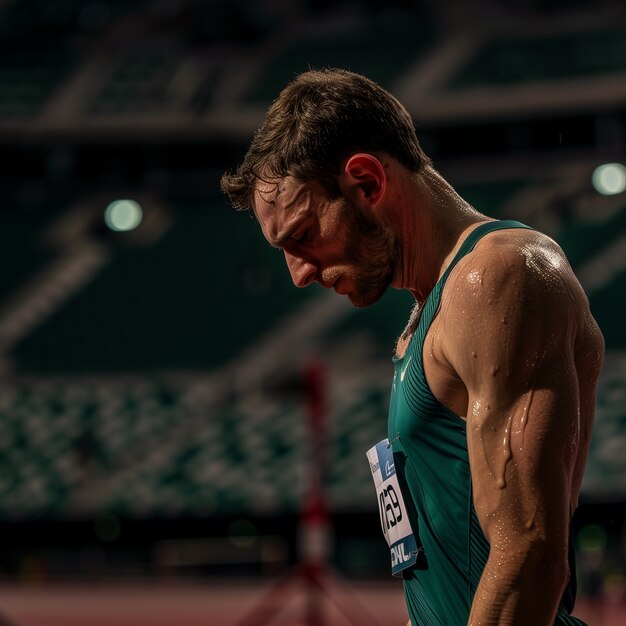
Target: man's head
point(313, 127)
point(336, 242)
point(316, 177)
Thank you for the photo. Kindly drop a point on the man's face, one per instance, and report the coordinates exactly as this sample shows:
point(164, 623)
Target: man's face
point(326, 241)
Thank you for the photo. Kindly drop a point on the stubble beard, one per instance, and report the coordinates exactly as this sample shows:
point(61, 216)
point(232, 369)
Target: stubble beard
point(372, 253)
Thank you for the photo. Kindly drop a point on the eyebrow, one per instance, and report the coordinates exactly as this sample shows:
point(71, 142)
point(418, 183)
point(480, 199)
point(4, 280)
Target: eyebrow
point(299, 217)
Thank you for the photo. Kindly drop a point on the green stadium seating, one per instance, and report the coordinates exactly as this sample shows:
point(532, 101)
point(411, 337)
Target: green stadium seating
point(155, 437)
point(170, 305)
point(137, 84)
point(513, 60)
point(23, 249)
point(381, 46)
point(28, 77)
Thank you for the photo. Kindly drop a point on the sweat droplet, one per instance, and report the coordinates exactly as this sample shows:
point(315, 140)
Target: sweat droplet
point(524, 420)
point(507, 454)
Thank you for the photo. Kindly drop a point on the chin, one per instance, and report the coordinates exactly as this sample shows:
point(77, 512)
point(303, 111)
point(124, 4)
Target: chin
point(361, 301)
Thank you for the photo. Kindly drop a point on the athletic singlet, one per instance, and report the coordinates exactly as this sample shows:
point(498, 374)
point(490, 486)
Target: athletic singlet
point(430, 454)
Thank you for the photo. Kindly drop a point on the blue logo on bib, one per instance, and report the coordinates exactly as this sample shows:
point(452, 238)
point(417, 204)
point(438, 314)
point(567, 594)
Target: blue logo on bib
point(385, 457)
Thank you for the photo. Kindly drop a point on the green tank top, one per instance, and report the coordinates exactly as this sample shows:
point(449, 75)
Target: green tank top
point(430, 455)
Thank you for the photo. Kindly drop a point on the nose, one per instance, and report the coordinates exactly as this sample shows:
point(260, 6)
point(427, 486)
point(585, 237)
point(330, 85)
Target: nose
point(302, 272)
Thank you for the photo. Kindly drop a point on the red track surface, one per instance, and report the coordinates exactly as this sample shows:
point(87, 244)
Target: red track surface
point(204, 604)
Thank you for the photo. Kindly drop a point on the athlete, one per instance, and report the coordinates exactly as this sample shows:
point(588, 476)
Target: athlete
point(493, 396)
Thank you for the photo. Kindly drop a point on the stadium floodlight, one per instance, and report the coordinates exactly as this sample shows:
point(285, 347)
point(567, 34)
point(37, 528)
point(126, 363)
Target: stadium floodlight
point(609, 179)
point(123, 215)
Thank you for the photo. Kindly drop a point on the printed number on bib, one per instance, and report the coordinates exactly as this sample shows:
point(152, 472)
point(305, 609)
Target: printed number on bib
point(393, 517)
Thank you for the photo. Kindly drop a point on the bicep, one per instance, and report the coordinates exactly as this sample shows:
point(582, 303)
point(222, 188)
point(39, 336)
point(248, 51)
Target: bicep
point(522, 450)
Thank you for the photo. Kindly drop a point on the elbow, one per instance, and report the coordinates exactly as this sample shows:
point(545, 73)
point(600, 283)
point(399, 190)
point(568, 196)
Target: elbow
point(551, 555)
point(531, 545)
point(545, 556)
point(547, 561)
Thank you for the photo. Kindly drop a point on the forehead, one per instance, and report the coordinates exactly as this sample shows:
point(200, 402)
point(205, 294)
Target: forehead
point(279, 204)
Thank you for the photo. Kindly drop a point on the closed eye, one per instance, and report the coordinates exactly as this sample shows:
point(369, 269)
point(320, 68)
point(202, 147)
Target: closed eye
point(303, 236)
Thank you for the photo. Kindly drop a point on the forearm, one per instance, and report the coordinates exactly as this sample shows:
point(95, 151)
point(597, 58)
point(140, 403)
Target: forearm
point(519, 592)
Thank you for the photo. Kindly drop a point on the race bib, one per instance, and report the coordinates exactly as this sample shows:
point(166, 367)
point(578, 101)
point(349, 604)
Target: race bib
point(393, 515)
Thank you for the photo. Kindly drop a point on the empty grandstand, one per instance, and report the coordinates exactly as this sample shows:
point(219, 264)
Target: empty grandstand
point(150, 377)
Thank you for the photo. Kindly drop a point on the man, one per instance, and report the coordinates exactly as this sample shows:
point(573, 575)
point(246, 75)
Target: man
point(495, 374)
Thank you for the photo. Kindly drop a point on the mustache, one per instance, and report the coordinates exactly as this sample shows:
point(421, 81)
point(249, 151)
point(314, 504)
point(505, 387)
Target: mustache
point(330, 274)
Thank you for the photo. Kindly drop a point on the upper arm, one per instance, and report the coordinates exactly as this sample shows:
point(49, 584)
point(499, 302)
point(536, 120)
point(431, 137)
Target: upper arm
point(510, 325)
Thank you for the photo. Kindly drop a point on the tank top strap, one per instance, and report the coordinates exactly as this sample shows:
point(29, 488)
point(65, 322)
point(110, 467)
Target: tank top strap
point(431, 304)
point(475, 236)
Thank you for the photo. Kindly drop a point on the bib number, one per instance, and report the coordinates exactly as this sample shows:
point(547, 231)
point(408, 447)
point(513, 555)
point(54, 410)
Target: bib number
point(393, 516)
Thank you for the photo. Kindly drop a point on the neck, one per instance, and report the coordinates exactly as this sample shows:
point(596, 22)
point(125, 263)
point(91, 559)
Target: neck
point(431, 221)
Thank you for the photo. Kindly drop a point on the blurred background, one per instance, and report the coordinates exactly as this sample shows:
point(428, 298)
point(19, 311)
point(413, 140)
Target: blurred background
point(154, 447)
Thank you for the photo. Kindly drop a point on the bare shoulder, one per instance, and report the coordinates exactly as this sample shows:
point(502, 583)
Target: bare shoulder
point(515, 292)
point(517, 266)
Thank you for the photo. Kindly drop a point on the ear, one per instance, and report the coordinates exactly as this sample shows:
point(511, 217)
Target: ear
point(363, 180)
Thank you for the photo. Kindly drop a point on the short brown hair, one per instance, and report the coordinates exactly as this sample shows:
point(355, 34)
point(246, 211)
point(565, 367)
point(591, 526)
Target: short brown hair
point(316, 122)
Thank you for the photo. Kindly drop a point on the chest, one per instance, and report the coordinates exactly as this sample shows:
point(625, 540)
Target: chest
point(442, 380)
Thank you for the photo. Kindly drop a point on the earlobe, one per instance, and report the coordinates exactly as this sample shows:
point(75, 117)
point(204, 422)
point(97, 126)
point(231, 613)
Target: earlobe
point(363, 180)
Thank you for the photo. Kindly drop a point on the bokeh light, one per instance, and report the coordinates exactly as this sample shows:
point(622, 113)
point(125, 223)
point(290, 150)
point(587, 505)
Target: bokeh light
point(609, 179)
point(123, 215)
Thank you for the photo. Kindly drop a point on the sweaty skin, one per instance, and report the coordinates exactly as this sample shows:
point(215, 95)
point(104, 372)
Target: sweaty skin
point(514, 349)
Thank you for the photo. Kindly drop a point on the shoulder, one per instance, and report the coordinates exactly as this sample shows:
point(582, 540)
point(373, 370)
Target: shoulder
point(514, 263)
point(513, 297)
